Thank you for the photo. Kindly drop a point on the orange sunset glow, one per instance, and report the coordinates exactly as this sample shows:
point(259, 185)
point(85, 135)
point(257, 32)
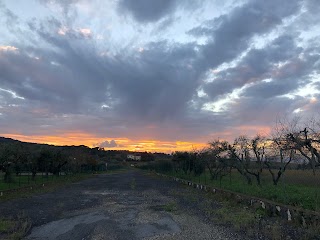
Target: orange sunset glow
point(80, 138)
point(123, 143)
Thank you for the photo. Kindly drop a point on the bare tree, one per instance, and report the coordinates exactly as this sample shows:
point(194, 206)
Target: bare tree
point(279, 156)
point(239, 153)
point(308, 146)
point(216, 160)
point(303, 137)
point(258, 147)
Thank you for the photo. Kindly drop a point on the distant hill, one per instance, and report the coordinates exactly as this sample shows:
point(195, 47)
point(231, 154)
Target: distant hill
point(4, 139)
point(10, 140)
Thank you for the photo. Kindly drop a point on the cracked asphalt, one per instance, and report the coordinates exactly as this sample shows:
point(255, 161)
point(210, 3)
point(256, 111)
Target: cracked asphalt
point(127, 205)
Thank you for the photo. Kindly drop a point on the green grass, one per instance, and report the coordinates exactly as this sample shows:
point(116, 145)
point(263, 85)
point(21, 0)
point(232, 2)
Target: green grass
point(55, 183)
point(170, 207)
point(24, 181)
point(24, 187)
point(296, 188)
point(227, 211)
point(133, 184)
point(6, 225)
point(14, 229)
point(239, 218)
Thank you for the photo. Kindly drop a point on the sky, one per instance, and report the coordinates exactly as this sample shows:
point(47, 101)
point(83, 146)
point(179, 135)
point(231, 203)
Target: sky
point(161, 75)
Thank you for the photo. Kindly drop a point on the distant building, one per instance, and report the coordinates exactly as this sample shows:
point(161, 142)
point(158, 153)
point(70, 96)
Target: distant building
point(133, 157)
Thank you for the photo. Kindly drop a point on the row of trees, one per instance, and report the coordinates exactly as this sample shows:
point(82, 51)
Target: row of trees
point(19, 157)
point(291, 141)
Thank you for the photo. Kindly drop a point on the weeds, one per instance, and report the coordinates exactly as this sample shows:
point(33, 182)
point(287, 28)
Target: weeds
point(255, 223)
point(240, 218)
point(6, 225)
point(171, 207)
point(133, 184)
point(14, 229)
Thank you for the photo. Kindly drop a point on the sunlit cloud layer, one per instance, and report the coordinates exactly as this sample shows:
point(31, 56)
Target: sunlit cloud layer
point(177, 73)
point(74, 138)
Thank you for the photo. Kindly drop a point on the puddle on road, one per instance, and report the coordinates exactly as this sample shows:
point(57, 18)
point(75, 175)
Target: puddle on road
point(54, 229)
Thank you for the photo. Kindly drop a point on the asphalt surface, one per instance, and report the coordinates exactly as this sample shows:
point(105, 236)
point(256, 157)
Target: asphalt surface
point(128, 205)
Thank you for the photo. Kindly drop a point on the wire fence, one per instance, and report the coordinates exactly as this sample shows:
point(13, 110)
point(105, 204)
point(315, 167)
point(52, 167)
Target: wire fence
point(26, 178)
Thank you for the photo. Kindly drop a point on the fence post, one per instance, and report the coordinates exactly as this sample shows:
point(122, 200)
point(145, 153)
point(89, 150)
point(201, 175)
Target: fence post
point(205, 177)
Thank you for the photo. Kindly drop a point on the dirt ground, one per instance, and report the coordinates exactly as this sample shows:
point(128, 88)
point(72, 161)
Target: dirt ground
point(128, 205)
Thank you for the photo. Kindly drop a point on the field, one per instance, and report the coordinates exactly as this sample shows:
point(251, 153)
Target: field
point(23, 181)
point(296, 188)
point(26, 180)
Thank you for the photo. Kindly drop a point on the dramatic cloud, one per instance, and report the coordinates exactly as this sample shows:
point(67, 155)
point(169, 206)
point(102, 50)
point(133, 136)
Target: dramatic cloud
point(231, 34)
point(145, 11)
point(108, 144)
point(181, 72)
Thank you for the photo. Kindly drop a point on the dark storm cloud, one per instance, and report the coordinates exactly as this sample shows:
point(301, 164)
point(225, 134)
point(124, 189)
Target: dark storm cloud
point(271, 89)
point(258, 111)
point(261, 64)
point(154, 92)
point(147, 11)
point(158, 83)
point(152, 85)
point(68, 80)
point(231, 34)
point(313, 7)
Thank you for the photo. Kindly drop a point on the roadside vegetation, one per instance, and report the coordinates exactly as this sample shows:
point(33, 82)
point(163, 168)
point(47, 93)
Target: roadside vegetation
point(28, 164)
point(51, 185)
point(255, 223)
point(282, 167)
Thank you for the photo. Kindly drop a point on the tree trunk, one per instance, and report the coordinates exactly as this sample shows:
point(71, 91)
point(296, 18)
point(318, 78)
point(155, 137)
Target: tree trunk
point(7, 177)
point(34, 173)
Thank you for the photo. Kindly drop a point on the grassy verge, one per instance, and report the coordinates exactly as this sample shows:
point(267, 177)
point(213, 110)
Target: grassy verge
point(14, 229)
point(289, 191)
point(253, 223)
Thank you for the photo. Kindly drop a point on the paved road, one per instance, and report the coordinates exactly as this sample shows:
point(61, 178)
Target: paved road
point(130, 205)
